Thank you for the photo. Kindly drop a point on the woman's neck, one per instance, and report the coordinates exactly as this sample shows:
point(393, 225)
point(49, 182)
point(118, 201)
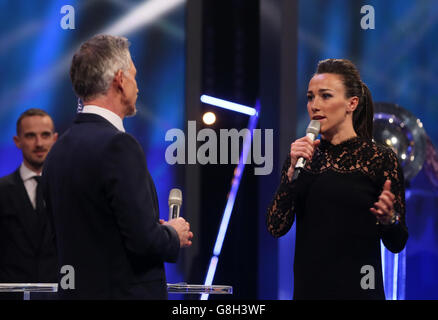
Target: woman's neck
point(338, 137)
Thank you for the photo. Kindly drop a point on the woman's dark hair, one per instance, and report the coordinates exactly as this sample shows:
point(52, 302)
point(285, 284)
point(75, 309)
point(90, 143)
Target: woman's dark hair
point(354, 87)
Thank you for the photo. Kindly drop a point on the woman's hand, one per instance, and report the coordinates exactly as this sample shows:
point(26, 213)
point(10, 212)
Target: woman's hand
point(384, 208)
point(303, 147)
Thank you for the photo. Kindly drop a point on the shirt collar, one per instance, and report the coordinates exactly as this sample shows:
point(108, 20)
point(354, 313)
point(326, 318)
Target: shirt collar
point(26, 173)
point(113, 118)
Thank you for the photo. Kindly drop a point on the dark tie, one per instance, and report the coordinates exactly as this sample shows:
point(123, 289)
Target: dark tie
point(39, 196)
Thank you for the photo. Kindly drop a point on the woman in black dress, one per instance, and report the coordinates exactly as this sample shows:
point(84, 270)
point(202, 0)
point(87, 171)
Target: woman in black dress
point(348, 197)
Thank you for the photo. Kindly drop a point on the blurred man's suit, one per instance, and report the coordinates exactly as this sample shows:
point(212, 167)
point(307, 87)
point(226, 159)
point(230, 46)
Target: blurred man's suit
point(27, 246)
point(105, 212)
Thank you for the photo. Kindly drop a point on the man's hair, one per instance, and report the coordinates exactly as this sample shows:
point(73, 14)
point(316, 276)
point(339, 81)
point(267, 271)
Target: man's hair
point(95, 63)
point(30, 113)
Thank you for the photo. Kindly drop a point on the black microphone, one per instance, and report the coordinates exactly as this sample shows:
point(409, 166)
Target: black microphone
point(312, 132)
point(175, 202)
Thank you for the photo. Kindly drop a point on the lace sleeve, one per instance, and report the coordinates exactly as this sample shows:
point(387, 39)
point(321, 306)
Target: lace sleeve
point(394, 236)
point(280, 215)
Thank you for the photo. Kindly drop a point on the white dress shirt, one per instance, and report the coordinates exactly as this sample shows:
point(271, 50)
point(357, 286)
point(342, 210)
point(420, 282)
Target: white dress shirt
point(115, 120)
point(29, 182)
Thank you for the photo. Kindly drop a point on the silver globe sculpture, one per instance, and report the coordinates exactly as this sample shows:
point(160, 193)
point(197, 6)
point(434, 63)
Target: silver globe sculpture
point(403, 132)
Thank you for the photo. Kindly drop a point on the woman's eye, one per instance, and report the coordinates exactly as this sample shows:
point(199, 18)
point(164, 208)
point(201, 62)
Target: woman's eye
point(309, 98)
point(326, 95)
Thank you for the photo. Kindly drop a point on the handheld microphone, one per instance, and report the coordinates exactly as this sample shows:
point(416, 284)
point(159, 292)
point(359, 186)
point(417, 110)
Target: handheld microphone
point(175, 202)
point(312, 132)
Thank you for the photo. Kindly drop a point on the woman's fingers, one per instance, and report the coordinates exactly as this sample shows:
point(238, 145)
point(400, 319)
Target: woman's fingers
point(382, 207)
point(376, 212)
point(301, 152)
point(387, 185)
point(388, 194)
point(305, 146)
point(387, 201)
point(302, 149)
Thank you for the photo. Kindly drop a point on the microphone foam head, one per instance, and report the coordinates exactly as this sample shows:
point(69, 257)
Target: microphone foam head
point(314, 127)
point(175, 197)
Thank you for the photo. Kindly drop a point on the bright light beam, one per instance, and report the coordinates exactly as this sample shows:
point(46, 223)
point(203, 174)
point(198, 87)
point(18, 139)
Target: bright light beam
point(228, 105)
point(142, 15)
point(230, 201)
point(210, 275)
point(395, 277)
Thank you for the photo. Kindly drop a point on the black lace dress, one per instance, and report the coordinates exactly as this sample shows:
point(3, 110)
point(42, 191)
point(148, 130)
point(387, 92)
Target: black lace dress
point(336, 234)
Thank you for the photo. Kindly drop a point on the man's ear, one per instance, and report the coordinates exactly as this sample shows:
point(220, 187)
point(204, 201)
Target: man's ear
point(17, 141)
point(118, 80)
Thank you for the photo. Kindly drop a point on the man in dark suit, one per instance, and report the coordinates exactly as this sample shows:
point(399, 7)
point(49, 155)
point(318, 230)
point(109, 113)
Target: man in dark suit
point(27, 246)
point(102, 197)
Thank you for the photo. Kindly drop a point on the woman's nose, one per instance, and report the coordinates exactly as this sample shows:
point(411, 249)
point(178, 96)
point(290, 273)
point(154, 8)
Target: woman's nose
point(314, 107)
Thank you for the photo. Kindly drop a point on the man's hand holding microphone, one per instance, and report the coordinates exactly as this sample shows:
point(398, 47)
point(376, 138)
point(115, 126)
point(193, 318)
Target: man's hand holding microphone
point(181, 226)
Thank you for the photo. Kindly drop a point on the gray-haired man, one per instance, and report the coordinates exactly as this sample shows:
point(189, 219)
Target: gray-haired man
point(102, 197)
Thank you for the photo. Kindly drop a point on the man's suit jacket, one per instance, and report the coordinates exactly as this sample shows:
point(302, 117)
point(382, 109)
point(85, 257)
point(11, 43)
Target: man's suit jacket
point(27, 244)
point(105, 214)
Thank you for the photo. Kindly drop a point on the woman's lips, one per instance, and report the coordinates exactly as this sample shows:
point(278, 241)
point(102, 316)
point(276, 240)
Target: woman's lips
point(318, 118)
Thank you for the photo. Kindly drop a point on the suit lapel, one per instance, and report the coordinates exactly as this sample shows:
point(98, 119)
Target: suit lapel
point(42, 228)
point(23, 208)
